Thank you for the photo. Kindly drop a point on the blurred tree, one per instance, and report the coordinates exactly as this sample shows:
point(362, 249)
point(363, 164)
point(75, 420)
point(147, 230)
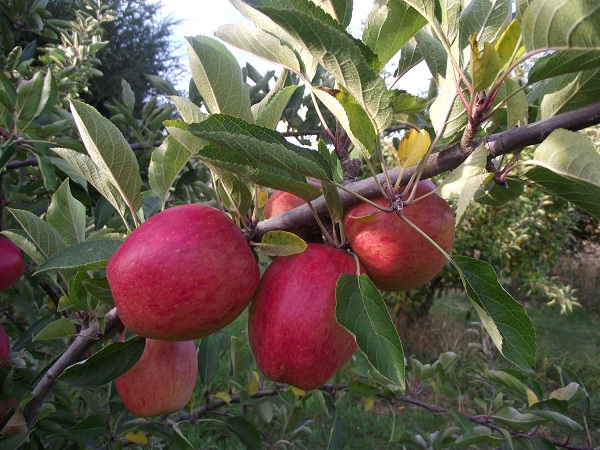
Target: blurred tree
point(139, 42)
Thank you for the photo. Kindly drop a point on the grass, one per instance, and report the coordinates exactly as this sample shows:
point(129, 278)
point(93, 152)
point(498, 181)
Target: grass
point(572, 341)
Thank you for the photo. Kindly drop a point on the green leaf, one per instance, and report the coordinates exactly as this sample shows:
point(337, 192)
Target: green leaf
point(165, 164)
point(336, 50)
point(250, 38)
point(434, 54)
point(569, 154)
point(516, 104)
point(504, 318)
point(389, 26)
point(569, 92)
point(189, 111)
point(218, 77)
point(234, 192)
point(448, 111)
point(427, 8)
point(66, 214)
point(58, 329)
point(127, 95)
point(508, 380)
point(330, 191)
point(41, 233)
point(84, 165)
point(410, 56)
point(268, 112)
point(261, 144)
point(405, 103)
point(104, 366)
point(340, 10)
point(245, 431)
point(484, 67)
point(511, 417)
point(352, 117)
point(8, 93)
point(161, 84)
point(19, 238)
point(29, 97)
point(281, 243)
point(361, 310)
point(82, 256)
point(209, 355)
point(308, 63)
point(562, 24)
point(581, 194)
point(48, 96)
point(562, 63)
point(464, 181)
point(557, 411)
point(258, 173)
point(110, 152)
point(10, 443)
point(487, 18)
point(494, 194)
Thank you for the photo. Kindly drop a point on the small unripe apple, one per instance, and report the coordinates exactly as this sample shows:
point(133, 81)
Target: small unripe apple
point(395, 256)
point(4, 347)
point(292, 327)
point(162, 381)
point(183, 274)
point(12, 265)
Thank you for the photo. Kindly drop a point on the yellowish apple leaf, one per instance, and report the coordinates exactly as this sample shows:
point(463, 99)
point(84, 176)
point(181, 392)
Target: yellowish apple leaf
point(508, 42)
point(369, 403)
point(263, 195)
point(413, 145)
point(484, 66)
point(137, 437)
point(252, 387)
point(297, 391)
point(532, 399)
point(223, 396)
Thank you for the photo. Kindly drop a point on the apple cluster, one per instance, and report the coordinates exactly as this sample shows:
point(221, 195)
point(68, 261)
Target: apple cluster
point(188, 271)
point(183, 274)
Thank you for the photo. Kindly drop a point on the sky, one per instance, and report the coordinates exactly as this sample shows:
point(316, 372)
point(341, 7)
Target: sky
point(203, 17)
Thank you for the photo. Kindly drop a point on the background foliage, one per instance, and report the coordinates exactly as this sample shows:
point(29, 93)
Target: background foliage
point(70, 196)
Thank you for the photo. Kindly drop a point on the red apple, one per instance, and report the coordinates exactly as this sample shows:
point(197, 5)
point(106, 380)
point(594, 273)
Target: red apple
point(281, 201)
point(4, 347)
point(395, 256)
point(163, 379)
point(292, 328)
point(12, 265)
point(183, 274)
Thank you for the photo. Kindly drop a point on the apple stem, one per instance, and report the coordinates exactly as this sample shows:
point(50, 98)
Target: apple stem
point(364, 199)
point(326, 234)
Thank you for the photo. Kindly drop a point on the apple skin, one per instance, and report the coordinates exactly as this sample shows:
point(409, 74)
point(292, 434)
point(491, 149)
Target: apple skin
point(395, 256)
point(4, 347)
point(162, 381)
point(281, 201)
point(292, 328)
point(12, 265)
point(183, 274)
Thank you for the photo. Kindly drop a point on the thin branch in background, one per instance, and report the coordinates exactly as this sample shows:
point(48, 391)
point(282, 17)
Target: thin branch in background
point(75, 353)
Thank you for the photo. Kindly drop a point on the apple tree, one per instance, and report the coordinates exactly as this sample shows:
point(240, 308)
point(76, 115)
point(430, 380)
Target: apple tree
point(161, 292)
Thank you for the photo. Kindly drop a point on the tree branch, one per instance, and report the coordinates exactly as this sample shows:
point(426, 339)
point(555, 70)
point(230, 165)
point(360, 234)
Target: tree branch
point(75, 353)
point(442, 161)
point(212, 405)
